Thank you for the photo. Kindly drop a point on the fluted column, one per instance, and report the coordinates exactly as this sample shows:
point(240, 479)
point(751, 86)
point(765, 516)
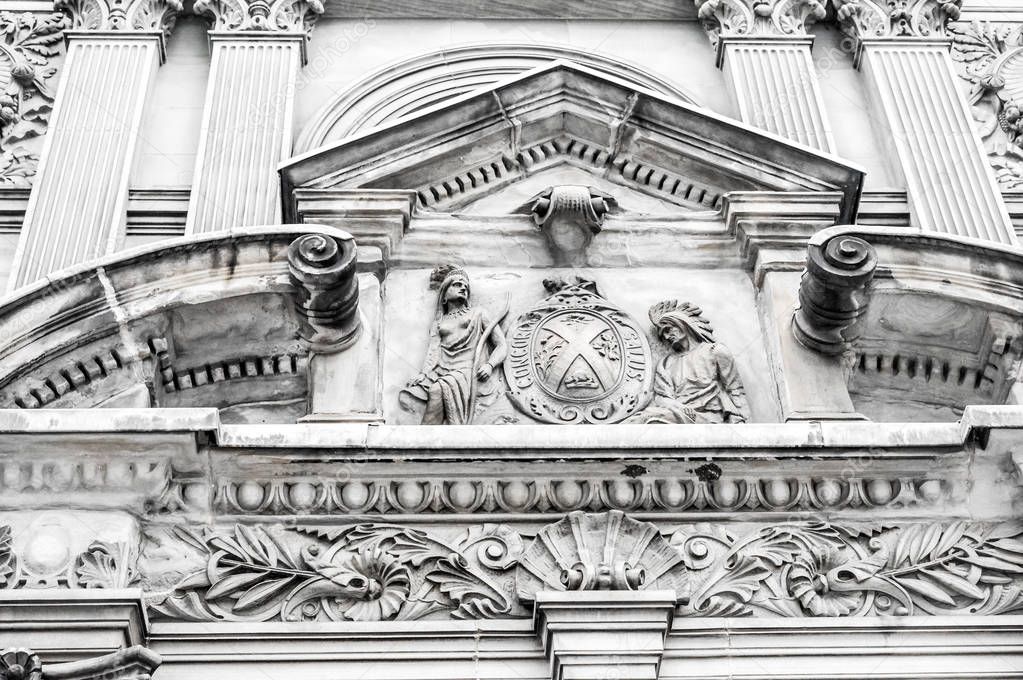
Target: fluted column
point(258, 50)
point(78, 205)
point(764, 50)
point(904, 56)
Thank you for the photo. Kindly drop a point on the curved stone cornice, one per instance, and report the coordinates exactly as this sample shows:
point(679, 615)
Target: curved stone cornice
point(896, 18)
point(758, 18)
point(121, 15)
point(270, 16)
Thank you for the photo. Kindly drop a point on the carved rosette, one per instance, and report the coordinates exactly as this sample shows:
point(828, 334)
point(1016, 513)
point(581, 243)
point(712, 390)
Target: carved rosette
point(991, 59)
point(896, 18)
point(28, 42)
point(273, 16)
point(758, 18)
point(20, 664)
point(833, 292)
point(323, 271)
point(122, 15)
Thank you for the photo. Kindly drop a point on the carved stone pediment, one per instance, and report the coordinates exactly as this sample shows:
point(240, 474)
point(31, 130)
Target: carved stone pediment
point(567, 114)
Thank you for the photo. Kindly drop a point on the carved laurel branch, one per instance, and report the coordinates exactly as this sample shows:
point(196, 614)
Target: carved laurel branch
point(329, 497)
point(27, 44)
point(371, 572)
point(991, 59)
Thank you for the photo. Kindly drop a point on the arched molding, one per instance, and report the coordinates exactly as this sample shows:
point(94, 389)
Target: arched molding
point(411, 85)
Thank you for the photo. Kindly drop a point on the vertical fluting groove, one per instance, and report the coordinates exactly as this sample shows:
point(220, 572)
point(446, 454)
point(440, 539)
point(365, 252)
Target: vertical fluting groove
point(774, 85)
point(94, 131)
point(951, 188)
point(245, 138)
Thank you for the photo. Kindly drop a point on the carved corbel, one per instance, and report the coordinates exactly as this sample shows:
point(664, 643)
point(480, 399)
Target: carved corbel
point(127, 16)
point(323, 271)
point(863, 19)
point(833, 292)
point(569, 217)
point(275, 16)
point(134, 663)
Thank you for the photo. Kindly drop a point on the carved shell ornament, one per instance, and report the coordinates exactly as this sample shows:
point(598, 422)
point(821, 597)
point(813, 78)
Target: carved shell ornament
point(606, 551)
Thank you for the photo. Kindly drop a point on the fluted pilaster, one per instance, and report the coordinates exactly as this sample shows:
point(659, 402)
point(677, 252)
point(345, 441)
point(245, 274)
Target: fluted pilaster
point(78, 205)
point(764, 49)
point(258, 49)
point(904, 55)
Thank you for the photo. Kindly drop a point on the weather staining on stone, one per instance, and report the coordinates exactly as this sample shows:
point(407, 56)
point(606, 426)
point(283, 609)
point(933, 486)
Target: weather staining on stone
point(697, 382)
point(466, 346)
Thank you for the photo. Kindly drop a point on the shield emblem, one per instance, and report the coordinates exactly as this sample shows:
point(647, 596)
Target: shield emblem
point(577, 358)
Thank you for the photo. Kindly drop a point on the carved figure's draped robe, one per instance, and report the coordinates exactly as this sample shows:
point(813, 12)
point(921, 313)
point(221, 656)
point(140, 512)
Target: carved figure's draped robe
point(451, 363)
point(704, 381)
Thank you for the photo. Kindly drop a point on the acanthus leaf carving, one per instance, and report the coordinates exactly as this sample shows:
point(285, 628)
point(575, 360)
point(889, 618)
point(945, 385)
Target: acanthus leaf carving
point(28, 42)
point(758, 18)
point(991, 59)
point(370, 572)
point(276, 16)
point(896, 18)
point(122, 15)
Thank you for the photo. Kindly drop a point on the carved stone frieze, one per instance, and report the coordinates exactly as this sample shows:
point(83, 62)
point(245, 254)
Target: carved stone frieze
point(466, 346)
point(575, 357)
point(277, 16)
point(369, 572)
point(990, 57)
point(47, 562)
point(761, 18)
point(896, 18)
point(28, 44)
point(569, 217)
point(379, 572)
point(510, 494)
point(121, 15)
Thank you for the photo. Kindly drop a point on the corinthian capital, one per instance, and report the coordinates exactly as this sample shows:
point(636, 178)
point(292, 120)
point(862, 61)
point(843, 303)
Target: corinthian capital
point(277, 16)
point(896, 18)
point(729, 18)
point(121, 15)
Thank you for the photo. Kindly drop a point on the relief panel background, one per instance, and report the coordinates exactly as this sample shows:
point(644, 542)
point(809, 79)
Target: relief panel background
point(726, 297)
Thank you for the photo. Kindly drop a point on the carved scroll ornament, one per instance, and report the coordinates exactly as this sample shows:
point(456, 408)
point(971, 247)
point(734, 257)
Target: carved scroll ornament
point(730, 18)
point(278, 16)
point(323, 271)
point(896, 18)
point(122, 15)
point(569, 217)
point(133, 663)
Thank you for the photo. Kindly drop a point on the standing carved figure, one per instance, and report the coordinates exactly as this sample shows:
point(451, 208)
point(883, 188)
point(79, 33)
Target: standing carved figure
point(466, 345)
point(697, 382)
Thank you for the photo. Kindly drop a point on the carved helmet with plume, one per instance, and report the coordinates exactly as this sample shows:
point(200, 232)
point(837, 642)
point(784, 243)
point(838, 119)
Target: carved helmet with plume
point(685, 315)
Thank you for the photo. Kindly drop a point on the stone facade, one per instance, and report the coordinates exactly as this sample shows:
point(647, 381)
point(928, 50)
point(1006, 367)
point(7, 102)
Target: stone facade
point(558, 341)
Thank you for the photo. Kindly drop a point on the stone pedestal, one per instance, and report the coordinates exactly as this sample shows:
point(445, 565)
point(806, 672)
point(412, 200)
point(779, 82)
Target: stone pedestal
point(78, 204)
point(247, 130)
point(604, 634)
point(775, 87)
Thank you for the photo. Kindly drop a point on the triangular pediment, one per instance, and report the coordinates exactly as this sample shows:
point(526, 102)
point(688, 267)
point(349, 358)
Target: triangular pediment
point(459, 152)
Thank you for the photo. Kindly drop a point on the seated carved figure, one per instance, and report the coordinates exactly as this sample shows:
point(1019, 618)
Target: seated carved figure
point(697, 381)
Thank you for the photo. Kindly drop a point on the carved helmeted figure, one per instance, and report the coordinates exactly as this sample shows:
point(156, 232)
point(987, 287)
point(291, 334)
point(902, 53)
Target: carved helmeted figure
point(697, 382)
point(466, 345)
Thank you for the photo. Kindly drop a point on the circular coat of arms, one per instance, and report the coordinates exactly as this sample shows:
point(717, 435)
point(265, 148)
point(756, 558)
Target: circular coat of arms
point(577, 358)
